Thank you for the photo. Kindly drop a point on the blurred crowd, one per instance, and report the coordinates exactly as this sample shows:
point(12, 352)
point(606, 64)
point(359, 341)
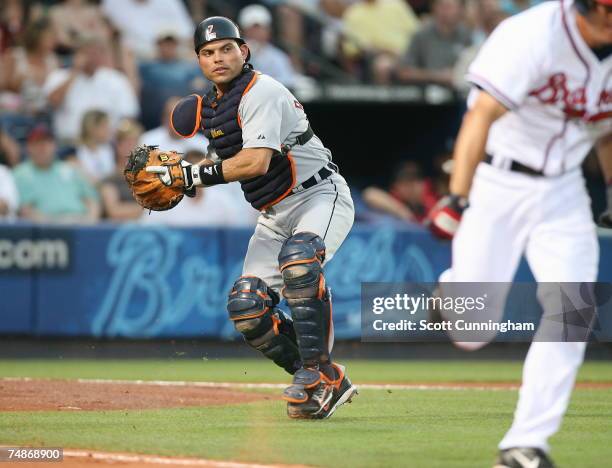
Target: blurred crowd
point(84, 82)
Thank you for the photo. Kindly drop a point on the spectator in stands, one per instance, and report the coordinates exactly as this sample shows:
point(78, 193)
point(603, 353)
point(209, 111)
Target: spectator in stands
point(332, 12)
point(95, 155)
point(436, 46)
point(75, 19)
point(26, 68)
point(379, 31)
point(122, 58)
point(420, 7)
point(295, 26)
point(52, 191)
point(117, 200)
point(487, 15)
point(9, 150)
point(89, 84)
point(9, 199)
point(256, 23)
point(164, 137)
point(166, 76)
point(140, 21)
point(410, 196)
point(222, 205)
point(14, 15)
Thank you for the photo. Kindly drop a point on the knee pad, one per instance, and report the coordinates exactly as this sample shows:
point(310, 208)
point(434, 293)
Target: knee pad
point(251, 306)
point(300, 263)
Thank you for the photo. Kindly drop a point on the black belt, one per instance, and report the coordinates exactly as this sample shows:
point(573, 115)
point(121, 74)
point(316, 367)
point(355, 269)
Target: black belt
point(323, 173)
point(320, 176)
point(516, 167)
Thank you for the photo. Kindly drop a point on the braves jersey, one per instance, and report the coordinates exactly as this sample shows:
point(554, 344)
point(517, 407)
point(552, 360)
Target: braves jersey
point(271, 116)
point(559, 93)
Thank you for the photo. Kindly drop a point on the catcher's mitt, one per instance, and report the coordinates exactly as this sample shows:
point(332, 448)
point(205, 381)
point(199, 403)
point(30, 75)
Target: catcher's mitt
point(150, 189)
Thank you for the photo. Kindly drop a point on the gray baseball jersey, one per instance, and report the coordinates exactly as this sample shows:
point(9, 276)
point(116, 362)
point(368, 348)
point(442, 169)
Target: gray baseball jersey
point(271, 116)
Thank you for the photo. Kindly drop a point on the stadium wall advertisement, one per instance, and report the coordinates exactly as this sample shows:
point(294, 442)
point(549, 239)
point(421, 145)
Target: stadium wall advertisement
point(135, 282)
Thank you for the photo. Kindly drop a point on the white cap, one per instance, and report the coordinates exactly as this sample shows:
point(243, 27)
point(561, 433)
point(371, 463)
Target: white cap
point(254, 14)
point(166, 33)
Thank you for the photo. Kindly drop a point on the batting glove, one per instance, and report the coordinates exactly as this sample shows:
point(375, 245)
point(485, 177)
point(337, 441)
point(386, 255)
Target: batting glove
point(444, 218)
point(188, 174)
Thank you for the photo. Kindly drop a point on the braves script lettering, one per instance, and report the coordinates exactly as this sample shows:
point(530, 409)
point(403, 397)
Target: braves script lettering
point(574, 101)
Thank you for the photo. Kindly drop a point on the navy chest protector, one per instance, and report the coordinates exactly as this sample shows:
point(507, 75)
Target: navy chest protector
point(220, 121)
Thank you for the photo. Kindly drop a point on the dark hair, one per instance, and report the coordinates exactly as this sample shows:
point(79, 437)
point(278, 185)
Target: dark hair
point(34, 31)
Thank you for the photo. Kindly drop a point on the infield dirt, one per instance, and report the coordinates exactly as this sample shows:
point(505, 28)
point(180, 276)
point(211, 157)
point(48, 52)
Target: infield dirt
point(70, 395)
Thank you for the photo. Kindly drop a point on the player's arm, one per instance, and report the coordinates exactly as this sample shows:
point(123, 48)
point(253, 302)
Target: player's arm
point(469, 151)
point(248, 163)
point(471, 141)
point(604, 154)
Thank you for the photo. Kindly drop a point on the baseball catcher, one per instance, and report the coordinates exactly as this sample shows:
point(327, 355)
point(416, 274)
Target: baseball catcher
point(260, 136)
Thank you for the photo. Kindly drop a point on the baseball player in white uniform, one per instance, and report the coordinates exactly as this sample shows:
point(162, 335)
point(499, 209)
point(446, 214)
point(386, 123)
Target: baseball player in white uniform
point(541, 99)
point(261, 137)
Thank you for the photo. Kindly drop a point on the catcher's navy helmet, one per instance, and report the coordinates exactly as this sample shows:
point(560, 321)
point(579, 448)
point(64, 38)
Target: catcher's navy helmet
point(216, 28)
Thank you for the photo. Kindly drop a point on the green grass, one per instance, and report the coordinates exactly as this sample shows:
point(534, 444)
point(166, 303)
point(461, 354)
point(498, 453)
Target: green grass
point(261, 370)
point(437, 428)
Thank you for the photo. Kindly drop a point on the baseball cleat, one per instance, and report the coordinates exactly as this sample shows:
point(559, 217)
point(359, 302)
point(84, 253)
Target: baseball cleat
point(341, 395)
point(523, 457)
point(313, 395)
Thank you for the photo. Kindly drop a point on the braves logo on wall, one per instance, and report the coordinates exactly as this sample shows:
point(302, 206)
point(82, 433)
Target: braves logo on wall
point(160, 284)
point(154, 288)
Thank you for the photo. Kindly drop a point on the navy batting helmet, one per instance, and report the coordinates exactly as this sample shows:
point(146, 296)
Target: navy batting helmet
point(216, 28)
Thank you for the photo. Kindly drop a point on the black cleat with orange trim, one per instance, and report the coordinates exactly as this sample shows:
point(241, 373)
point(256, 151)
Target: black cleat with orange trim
point(313, 395)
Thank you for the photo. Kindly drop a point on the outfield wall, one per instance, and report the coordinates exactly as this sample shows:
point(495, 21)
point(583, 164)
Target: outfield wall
point(135, 282)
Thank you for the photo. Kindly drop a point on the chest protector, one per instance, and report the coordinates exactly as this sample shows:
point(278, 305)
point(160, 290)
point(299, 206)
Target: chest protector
point(222, 126)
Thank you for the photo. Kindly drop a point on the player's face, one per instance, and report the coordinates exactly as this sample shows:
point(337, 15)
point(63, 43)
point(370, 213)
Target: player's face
point(222, 61)
point(600, 22)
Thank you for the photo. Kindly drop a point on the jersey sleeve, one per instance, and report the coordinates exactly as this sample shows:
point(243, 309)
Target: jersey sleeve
point(261, 112)
point(508, 64)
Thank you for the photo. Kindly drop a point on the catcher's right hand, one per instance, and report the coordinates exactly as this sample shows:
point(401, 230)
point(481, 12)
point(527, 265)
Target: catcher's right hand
point(158, 179)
